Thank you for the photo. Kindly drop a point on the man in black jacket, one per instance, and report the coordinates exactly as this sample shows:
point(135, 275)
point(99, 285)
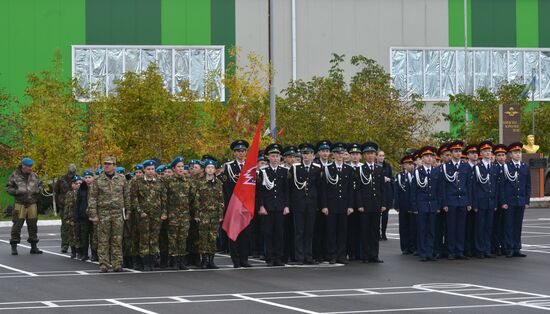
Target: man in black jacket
point(273, 201)
point(371, 202)
point(304, 180)
point(337, 203)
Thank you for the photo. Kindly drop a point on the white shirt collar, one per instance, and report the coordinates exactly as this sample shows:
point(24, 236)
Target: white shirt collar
point(426, 168)
point(338, 165)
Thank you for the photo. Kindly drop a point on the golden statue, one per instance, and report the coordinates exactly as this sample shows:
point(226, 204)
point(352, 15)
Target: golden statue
point(531, 148)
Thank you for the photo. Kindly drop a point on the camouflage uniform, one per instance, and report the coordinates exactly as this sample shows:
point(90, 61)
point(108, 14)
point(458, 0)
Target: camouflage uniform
point(131, 238)
point(68, 215)
point(107, 200)
point(26, 189)
point(61, 188)
point(208, 209)
point(149, 197)
point(178, 199)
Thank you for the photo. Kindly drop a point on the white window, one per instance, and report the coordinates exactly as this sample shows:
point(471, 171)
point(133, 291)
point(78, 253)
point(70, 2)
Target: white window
point(96, 68)
point(434, 73)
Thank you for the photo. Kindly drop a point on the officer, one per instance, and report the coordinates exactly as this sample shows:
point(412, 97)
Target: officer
point(239, 249)
point(516, 198)
point(427, 197)
point(441, 239)
point(304, 184)
point(320, 243)
point(256, 234)
point(178, 206)
point(499, 151)
point(485, 191)
point(108, 207)
point(150, 196)
point(402, 188)
point(273, 201)
point(371, 202)
point(337, 201)
point(457, 200)
point(354, 230)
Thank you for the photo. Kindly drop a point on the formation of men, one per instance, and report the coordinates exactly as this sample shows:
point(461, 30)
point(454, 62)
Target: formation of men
point(314, 203)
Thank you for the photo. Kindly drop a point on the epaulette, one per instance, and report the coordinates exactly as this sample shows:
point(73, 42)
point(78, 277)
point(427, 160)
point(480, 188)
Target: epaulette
point(284, 166)
point(316, 164)
point(296, 163)
point(263, 167)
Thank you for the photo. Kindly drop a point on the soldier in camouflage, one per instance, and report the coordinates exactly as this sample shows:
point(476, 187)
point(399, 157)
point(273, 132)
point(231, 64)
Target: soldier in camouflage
point(178, 198)
point(208, 210)
point(25, 186)
point(60, 189)
point(69, 215)
point(149, 196)
point(131, 225)
point(108, 207)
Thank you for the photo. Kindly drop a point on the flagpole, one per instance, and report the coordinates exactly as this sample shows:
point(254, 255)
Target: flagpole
point(533, 99)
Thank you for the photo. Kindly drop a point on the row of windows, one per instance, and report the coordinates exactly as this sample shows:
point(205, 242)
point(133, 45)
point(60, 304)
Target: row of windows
point(97, 68)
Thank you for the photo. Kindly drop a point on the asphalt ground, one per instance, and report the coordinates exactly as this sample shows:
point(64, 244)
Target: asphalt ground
point(53, 283)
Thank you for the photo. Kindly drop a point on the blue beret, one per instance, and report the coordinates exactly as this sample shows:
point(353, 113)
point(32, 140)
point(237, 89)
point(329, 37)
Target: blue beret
point(176, 161)
point(87, 173)
point(99, 171)
point(120, 170)
point(27, 162)
point(138, 167)
point(194, 161)
point(77, 178)
point(160, 168)
point(210, 162)
point(148, 163)
point(168, 166)
point(186, 167)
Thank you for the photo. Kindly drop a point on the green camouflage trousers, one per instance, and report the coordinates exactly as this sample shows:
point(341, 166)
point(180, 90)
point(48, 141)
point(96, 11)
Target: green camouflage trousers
point(20, 214)
point(93, 243)
point(207, 237)
point(109, 236)
point(177, 237)
point(66, 231)
point(149, 229)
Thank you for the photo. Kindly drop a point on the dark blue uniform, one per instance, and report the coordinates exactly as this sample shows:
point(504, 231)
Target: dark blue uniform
point(407, 218)
point(458, 195)
point(427, 196)
point(516, 194)
point(497, 239)
point(485, 193)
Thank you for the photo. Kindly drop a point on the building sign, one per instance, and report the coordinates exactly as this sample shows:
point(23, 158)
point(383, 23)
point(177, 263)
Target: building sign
point(509, 123)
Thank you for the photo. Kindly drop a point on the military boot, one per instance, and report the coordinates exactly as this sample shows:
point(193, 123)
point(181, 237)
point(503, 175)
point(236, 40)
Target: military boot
point(78, 253)
point(35, 249)
point(147, 263)
point(211, 264)
point(73, 252)
point(94, 256)
point(84, 254)
point(182, 263)
point(137, 264)
point(126, 262)
point(204, 261)
point(14, 248)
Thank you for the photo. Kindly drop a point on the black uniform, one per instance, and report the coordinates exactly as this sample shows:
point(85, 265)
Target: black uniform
point(337, 196)
point(239, 249)
point(370, 195)
point(303, 185)
point(273, 196)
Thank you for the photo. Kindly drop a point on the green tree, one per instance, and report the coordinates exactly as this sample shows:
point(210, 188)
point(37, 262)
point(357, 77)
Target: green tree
point(367, 108)
point(50, 128)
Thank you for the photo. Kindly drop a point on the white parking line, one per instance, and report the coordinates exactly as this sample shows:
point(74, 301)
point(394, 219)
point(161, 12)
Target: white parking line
point(18, 270)
point(131, 307)
point(288, 307)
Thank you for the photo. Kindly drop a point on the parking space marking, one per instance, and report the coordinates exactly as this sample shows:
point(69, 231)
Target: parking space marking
point(283, 306)
point(18, 270)
point(131, 307)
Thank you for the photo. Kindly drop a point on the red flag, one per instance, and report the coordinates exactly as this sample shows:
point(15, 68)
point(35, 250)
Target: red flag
point(240, 210)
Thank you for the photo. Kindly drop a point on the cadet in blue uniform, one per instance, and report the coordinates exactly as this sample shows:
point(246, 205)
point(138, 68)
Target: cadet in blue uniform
point(458, 195)
point(427, 195)
point(273, 201)
point(516, 197)
point(337, 203)
point(441, 244)
point(371, 201)
point(497, 241)
point(402, 204)
point(469, 244)
point(485, 191)
point(304, 185)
